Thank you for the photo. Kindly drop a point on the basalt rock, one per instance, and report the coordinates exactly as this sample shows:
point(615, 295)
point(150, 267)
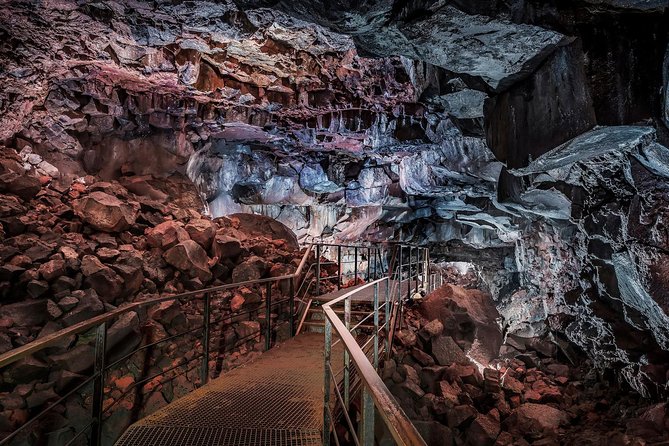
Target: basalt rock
point(105, 212)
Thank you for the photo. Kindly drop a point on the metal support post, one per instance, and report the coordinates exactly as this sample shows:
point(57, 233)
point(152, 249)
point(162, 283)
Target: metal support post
point(318, 269)
point(355, 270)
point(99, 383)
point(347, 355)
point(376, 326)
point(326, 383)
point(268, 316)
point(292, 308)
point(367, 415)
point(339, 266)
point(204, 371)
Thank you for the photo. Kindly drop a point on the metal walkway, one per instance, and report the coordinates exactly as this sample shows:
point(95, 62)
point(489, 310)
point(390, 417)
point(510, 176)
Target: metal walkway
point(276, 400)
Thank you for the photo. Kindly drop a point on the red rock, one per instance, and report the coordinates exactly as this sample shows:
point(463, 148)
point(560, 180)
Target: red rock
point(166, 235)
point(105, 212)
point(407, 338)
point(535, 420)
point(202, 231)
point(446, 351)
point(124, 383)
point(52, 269)
point(511, 384)
point(433, 328)
point(461, 414)
point(423, 358)
point(252, 268)
point(236, 303)
point(104, 280)
point(191, 258)
point(225, 246)
point(483, 431)
point(449, 392)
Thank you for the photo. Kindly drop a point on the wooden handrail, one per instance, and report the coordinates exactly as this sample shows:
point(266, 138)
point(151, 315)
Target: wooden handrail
point(19, 353)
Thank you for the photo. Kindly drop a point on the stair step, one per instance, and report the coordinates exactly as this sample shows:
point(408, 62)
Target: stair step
point(353, 312)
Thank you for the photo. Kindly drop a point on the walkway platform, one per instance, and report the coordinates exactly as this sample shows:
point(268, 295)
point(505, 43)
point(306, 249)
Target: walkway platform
point(276, 400)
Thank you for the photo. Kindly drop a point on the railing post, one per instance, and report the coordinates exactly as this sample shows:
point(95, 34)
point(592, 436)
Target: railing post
point(417, 266)
point(347, 355)
point(339, 266)
point(268, 316)
point(99, 383)
point(367, 416)
point(400, 274)
point(376, 326)
point(369, 264)
point(318, 269)
point(292, 308)
point(204, 372)
point(355, 266)
point(387, 320)
point(326, 383)
point(410, 276)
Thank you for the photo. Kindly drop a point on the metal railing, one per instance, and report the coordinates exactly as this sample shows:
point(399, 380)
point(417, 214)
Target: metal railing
point(361, 383)
point(102, 363)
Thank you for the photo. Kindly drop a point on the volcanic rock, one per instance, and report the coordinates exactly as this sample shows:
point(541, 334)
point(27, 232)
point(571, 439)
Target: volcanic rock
point(105, 212)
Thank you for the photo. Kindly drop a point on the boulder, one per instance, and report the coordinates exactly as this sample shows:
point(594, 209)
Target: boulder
point(225, 246)
point(484, 430)
point(166, 234)
point(105, 212)
point(26, 313)
point(434, 433)
point(202, 231)
point(189, 257)
point(104, 280)
point(252, 268)
point(447, 352)
point(535, 420)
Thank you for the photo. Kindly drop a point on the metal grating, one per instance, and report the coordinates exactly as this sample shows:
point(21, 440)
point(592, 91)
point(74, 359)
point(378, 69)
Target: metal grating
point(276, 400)
point(189, 436)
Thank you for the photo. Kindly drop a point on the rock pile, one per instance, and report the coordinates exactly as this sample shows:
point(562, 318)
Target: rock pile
point(526, 395)
point(70, 253)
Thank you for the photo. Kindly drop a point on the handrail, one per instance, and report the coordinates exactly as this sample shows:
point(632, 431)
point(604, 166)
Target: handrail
point(19, 353)
point(374, 390)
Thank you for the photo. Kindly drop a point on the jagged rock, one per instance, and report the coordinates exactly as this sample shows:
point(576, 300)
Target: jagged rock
point(202, 231)
point(447, 352)
point(79, 359)
point(483, 430)
point(88, 305)
point(27, 313)
point(24, 186)
point(105, 212)
point(166, 235)
point(252, 268)
point(190, 257)
point(434, 433)
point(225, 246)
point(104, 280)
point(52, 269)
point(460, 415)
point(535, 420)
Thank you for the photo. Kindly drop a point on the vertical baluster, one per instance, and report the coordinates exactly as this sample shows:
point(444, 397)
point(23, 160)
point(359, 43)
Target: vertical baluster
point(347, 356)
point(318, 270)
point(268, 316)
point(355, 266)
point(339, 267)
point(367, 417)
point(99, 383)
point(387, 320)
point(292, 308)
point(376, 326)
point(204, 371)
point(326, 383)
point(369, 264)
